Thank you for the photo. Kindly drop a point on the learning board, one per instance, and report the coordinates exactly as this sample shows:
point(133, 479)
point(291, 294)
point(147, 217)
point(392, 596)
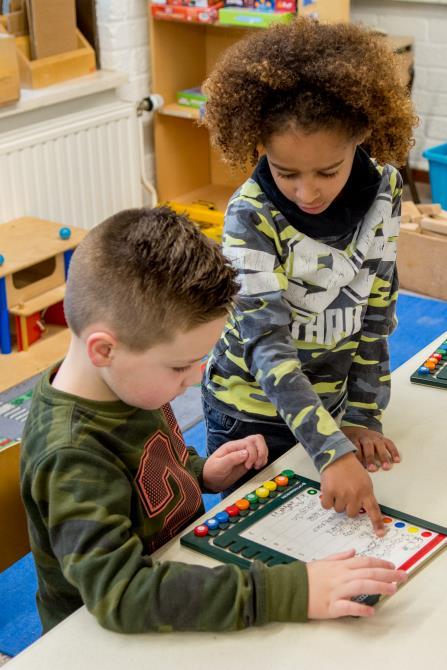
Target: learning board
point(282, 521)
point(433, 371)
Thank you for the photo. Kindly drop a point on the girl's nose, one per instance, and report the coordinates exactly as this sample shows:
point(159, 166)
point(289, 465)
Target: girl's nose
point(306, 193)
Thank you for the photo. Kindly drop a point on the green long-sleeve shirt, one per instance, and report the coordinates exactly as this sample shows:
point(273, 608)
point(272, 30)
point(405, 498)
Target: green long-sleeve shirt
point(105, 484)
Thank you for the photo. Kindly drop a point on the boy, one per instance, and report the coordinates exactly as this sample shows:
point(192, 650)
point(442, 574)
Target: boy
point(106, 476)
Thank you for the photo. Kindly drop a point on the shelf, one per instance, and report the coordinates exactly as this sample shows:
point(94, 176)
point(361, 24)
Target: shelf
point(180, 111)
point(33, 305)
point(18, 366)
point(31, 99)
point(217, 194)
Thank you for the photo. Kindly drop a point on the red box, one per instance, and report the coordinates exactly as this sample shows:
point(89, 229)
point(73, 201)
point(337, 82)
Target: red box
point(188, 14)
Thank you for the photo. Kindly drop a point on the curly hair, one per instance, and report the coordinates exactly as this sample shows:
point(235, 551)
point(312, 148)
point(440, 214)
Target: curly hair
point(315, 76)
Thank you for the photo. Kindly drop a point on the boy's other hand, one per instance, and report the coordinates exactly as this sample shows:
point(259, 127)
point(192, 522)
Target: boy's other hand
point(338, 578)
point(347, 487)
point(374, 449)
point(232, 460)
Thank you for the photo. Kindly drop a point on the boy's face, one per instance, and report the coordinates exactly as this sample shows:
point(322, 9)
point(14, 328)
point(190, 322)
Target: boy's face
point(151, 378)
point(310, 169)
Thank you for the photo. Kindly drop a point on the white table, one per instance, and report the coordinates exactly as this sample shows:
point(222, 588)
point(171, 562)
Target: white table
point(408, 631)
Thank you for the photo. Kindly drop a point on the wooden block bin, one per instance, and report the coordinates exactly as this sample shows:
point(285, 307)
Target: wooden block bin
point(54, 69)
point(421, 262)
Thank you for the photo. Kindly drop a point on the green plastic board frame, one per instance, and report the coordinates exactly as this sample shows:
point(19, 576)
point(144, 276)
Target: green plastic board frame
point(436, 377)
point(228, 545)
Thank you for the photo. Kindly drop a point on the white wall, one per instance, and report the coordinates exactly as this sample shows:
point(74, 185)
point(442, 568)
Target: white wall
point(124, 46)
point(427, 23)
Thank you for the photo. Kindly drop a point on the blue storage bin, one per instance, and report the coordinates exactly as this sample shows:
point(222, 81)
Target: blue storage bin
point(437, 160)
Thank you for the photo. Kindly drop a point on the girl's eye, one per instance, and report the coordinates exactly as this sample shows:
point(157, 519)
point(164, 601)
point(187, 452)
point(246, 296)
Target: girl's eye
point(328, 174)
point(286, 176)
point(182, 369)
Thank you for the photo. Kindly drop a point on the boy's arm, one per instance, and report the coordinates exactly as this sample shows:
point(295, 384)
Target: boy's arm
point(85, 500)
point(263, 318)
point(369, 379)
point(197, 465)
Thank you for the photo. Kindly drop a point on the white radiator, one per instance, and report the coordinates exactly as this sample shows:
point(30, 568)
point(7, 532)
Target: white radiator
point(77, 169)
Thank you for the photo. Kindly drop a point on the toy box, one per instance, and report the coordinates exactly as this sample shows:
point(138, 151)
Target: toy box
point(191, 97)
point(187, 3)
point(254, 18)
point(421, 261)
point(188, 14)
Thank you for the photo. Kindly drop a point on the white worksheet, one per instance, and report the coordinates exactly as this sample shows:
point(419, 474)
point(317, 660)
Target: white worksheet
point(303, 529)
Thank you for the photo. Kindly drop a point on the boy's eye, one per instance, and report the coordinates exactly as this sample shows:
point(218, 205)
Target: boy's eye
point(182, 369)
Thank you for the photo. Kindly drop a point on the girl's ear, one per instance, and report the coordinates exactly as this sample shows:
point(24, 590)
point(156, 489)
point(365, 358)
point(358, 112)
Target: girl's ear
point(101, 346)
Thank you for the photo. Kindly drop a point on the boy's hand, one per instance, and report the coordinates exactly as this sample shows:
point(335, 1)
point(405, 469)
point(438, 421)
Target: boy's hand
point(372, 447)
point(338, 578)
point(347, 487)
point(232, 460)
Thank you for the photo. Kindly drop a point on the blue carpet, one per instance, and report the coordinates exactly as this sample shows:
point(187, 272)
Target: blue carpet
point(19, 621)
point(421, 320)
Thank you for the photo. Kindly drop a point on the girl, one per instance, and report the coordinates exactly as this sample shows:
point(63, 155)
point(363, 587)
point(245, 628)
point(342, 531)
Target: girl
point(304, 356)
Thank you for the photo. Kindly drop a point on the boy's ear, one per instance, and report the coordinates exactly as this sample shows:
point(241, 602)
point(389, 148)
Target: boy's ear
point(101, 348)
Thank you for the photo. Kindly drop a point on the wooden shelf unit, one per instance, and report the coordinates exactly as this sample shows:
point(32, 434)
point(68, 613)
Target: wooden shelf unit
point(187, 168)
point(183, 55)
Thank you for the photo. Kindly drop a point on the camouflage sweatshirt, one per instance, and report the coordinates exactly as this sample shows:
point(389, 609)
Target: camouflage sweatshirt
point(308, 332)
point(104, 484)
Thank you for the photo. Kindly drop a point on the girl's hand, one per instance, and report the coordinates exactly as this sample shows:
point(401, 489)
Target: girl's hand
point(374, 450)
point(347, 487)
point(338, 578)
point(232, 460)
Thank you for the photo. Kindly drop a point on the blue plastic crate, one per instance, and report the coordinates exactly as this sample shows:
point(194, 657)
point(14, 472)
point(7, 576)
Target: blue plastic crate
point(437, 160)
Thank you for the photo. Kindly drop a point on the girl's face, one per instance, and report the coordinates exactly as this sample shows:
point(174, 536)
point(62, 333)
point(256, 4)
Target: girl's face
point(310, 169)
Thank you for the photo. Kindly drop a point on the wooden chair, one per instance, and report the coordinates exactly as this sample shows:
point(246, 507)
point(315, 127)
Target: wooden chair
point(14, 543)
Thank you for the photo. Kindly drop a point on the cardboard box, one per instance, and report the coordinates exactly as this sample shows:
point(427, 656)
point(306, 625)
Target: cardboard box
point(9, 69)
point(334, 11)
point(17, 22)
point(54, 69)
point(421, 263)
point(52, 27)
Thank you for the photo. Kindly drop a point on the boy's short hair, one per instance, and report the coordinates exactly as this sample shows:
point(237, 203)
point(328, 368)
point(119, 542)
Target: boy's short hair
point(147, 273)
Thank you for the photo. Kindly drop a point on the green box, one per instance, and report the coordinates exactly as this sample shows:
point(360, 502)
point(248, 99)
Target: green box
point(252, 17)
point(191, 97)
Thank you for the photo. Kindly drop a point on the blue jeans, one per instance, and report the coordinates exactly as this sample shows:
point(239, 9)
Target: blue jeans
point(221, 428)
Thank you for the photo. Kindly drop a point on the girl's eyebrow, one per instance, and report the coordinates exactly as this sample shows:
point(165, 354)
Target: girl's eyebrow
point(285, 169)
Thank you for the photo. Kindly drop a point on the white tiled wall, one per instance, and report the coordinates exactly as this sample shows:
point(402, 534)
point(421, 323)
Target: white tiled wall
point(427, 23)
point(124, 45)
